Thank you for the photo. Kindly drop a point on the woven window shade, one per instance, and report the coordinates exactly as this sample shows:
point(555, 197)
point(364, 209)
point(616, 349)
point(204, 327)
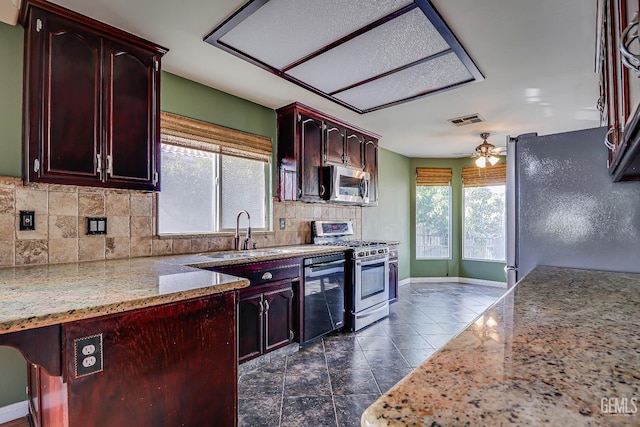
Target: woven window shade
point(483, 177)
point(190, 133)
point(433, 176)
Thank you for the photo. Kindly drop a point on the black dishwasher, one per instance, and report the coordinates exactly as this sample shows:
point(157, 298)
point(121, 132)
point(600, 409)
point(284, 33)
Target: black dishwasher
point(323, 295)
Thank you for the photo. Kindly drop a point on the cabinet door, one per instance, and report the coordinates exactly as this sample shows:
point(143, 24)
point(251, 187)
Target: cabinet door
point(393, 280)
point(310, 157)
point(278, 317)
point(131, 107)
point(63, 69)
point(250, 326)
point(334, 144)
point(355, 149)
point(371, 166)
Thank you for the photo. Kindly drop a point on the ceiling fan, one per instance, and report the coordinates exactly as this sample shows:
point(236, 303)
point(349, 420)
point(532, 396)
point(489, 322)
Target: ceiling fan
point(487, 153)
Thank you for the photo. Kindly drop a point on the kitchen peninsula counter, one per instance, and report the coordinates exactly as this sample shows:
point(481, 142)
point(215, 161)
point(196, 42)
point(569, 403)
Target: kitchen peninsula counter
point(560, 348)
point(141, 341)
point(36, 296)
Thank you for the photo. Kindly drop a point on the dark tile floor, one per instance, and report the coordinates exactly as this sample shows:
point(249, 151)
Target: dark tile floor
point(331, 382)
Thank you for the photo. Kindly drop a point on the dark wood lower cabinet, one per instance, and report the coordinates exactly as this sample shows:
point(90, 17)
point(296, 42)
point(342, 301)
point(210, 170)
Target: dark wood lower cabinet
point(171, 365)
point(393, 273)
point(265, 319)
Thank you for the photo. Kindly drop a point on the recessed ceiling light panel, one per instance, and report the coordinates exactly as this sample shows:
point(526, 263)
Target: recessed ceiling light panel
point(407, 39)
point(362, 55)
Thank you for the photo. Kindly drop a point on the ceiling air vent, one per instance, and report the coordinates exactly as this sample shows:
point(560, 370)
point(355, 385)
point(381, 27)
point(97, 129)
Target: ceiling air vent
point(467, 120)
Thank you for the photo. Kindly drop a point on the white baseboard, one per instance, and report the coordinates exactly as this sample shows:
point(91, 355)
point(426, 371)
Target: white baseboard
point(404, 282)
point(14, 411)
point(466, 280)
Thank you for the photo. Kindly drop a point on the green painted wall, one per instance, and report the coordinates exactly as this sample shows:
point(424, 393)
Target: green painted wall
point(191, 99)
point(13, 373)
point(10, 100)
point(456, 266)
point(389, 220)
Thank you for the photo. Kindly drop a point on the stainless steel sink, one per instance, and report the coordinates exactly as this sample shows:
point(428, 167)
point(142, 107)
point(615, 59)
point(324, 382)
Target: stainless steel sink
point(248, 254)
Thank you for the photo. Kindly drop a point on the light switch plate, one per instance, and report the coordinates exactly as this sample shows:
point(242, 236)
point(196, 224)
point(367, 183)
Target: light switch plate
point(97, 225)
point(283, 223)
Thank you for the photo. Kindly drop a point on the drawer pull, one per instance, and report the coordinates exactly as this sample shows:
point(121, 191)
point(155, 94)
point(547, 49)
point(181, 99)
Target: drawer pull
point(267, 276)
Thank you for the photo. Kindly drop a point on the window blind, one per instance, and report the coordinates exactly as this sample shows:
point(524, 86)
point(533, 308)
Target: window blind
point(433, 176)
point(190, 133)
point(484, 177)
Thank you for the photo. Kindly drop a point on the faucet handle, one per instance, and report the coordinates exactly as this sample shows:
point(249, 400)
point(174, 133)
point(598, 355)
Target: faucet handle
point(255, 245)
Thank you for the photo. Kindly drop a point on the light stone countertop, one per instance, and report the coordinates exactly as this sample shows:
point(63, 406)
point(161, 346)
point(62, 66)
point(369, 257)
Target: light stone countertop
point(561, 348)
point(36, 296)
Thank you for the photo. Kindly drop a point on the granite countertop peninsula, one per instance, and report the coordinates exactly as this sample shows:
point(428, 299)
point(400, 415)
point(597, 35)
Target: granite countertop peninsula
point(560, 348)
point(36, 296)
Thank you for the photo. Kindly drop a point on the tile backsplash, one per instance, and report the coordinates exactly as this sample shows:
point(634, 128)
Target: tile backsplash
point(61, 213)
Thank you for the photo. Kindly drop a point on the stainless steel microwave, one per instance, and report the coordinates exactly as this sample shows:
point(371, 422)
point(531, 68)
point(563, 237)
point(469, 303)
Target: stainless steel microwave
point(346, 185)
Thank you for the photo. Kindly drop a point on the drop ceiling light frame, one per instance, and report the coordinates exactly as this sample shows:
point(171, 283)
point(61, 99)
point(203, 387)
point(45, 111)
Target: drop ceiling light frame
point(432, 15)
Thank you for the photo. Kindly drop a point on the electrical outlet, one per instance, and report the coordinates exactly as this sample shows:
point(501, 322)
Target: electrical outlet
point(87, 352)
point(283, 223)
point(27, 220)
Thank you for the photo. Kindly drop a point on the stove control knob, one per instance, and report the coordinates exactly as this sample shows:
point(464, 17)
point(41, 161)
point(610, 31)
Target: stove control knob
point(361, 253)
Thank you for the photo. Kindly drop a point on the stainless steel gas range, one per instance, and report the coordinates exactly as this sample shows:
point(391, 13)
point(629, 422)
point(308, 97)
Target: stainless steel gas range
point(366, 271)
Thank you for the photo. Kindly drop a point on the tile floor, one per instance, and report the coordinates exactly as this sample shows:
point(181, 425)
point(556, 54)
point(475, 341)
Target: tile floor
point(331, 382)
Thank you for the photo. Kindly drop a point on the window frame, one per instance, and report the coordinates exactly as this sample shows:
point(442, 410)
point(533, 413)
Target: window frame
point(463, 217)
point(449, 256)
point(267, 197)
point(217, 197)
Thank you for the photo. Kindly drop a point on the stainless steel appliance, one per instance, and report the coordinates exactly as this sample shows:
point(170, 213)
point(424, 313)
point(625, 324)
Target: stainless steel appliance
point(367, 273)
point(346, 185)
point(323, 295)
point(563, 209)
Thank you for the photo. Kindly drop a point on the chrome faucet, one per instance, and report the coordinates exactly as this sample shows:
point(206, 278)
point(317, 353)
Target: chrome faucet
point(236, 239)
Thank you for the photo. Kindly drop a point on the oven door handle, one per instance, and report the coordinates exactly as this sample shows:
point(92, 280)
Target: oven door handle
point(368, 313)
point(369, 261)
point(324, 265)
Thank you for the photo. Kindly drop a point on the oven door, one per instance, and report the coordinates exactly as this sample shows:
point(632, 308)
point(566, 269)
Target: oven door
point(371, 282)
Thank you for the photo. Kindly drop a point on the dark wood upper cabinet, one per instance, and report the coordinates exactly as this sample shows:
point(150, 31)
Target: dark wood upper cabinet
point(619, 90)
point(354, 149)
point(371, 166)
point(308, 140)
point(334, 144)
point(311, 138)
point(91, 101)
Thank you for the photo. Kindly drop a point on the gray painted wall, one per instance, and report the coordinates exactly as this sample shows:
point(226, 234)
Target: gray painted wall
point(571, 214)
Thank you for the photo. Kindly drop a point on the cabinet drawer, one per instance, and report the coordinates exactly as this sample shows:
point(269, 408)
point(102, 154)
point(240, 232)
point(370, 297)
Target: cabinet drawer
point(260, 273)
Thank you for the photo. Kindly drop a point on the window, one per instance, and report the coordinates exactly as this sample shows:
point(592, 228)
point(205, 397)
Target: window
point(207, 178)
point(433, 213)
point(484, 214)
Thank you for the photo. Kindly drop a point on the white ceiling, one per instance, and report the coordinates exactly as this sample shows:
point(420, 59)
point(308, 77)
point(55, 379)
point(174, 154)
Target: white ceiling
point(537, 58)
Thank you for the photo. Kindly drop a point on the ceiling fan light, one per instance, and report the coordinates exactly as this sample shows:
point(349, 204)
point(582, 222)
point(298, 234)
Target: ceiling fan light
point(481, 162)
point(493, 160)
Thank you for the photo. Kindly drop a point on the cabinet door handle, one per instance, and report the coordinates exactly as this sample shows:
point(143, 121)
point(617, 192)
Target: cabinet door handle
point(261, 308)
point(266, 303)
point(267, 276)
point(322, 190)
point(630, 60)
point(99, 164)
